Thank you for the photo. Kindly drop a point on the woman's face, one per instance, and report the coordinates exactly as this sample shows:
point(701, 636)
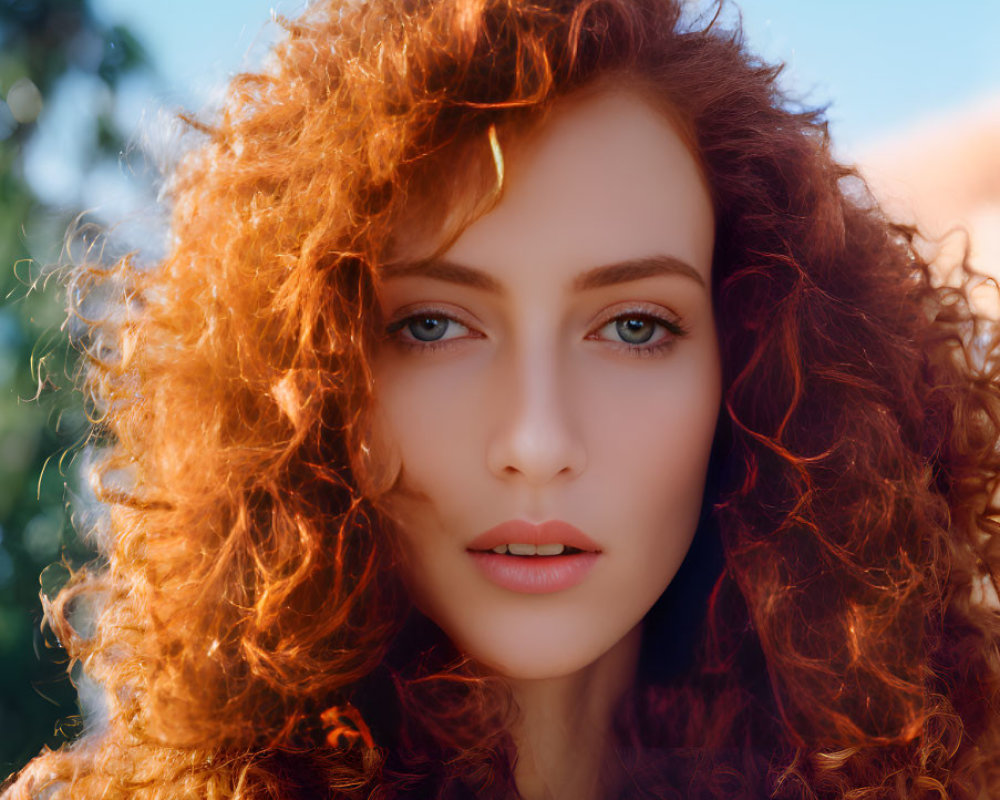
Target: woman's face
point(557, 363)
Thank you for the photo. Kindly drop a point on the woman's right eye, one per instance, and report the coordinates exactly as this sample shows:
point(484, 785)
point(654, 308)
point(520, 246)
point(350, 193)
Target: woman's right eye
point(426, 330)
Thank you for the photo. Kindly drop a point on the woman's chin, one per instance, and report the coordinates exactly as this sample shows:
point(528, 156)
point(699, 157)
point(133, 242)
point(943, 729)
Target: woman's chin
point(531, 656)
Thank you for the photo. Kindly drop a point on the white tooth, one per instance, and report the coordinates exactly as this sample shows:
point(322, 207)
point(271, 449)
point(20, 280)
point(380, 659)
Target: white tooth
point(550, 549)
point(501, 549)
point(522, 549)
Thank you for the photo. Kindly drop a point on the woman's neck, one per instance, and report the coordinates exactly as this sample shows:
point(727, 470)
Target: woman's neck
point(563, 733)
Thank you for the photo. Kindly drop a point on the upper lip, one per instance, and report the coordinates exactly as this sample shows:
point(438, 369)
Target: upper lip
point(521, 531)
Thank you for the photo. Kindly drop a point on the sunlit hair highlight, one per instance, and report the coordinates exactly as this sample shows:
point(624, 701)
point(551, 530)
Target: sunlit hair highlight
point(253, 635)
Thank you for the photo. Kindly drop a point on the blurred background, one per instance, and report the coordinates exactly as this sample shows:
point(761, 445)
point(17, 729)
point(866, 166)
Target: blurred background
point(89, 96)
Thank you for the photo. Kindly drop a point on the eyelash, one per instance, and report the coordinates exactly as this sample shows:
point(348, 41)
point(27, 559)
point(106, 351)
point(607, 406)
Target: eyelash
point(673, 327)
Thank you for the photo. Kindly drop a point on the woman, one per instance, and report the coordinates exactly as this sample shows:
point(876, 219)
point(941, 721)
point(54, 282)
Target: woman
point(529, 405)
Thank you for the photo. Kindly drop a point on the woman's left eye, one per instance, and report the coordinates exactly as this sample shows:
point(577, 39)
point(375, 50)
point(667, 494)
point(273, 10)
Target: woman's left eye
point(642, 333)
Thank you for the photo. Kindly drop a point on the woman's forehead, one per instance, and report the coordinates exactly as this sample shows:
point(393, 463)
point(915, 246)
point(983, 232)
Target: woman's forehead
point(606, 178)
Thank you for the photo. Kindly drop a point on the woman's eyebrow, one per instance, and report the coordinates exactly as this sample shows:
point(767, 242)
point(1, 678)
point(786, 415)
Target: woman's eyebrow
point(443, 270)
point(632, 269)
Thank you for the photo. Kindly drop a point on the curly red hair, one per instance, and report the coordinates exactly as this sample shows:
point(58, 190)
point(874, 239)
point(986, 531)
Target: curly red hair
point(249, 593)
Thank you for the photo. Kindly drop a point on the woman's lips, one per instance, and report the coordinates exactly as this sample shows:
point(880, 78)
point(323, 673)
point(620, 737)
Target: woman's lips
point(520, 531)
point(534, 574)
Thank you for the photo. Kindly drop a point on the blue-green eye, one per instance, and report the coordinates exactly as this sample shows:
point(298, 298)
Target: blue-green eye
point(635, 330)
point(642, 333)
point(425, 329)
point(428, 329)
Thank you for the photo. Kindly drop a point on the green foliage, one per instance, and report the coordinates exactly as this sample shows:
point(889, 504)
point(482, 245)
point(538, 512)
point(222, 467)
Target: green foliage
point(41, 418)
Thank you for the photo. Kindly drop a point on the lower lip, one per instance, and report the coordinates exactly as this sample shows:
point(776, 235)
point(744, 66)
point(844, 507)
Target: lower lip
point(534, 574)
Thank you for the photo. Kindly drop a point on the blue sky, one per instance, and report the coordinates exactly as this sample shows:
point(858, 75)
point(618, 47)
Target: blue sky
point(883, 64)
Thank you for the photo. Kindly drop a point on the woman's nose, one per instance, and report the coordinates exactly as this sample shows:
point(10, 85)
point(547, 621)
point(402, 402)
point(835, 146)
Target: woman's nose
point(536, 437)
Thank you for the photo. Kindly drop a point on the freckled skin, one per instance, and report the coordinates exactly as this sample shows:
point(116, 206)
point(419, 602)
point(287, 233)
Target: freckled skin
point(535, 408)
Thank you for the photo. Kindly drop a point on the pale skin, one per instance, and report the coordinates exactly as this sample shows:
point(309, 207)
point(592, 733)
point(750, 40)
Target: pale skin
point(509, 388)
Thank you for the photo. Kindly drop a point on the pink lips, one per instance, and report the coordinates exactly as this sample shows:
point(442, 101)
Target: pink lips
point(534, 574)
point(518, 530)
